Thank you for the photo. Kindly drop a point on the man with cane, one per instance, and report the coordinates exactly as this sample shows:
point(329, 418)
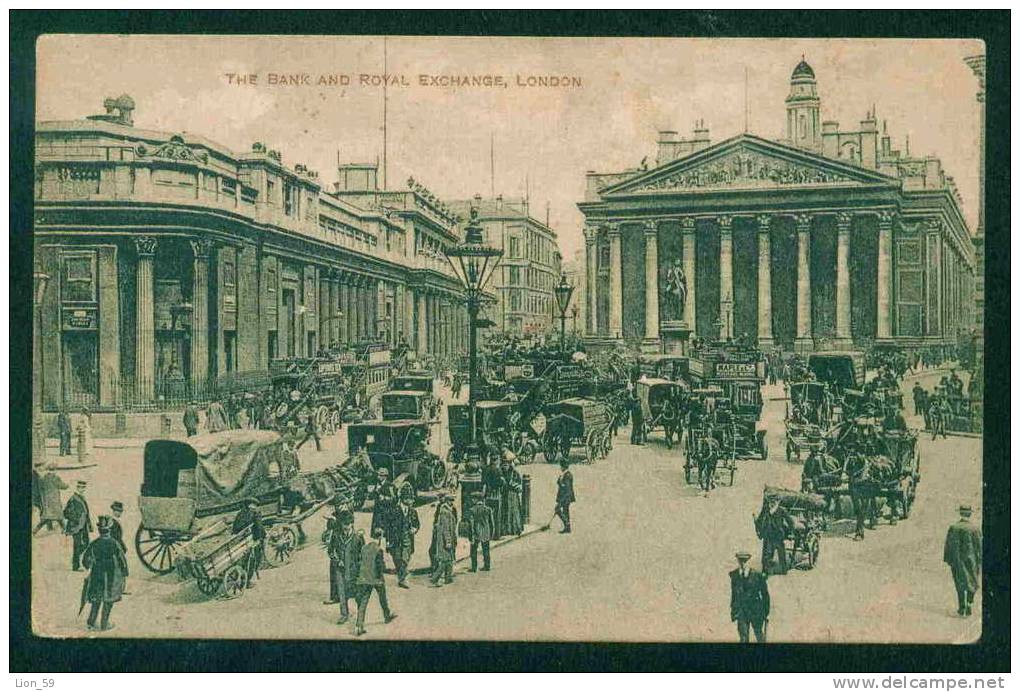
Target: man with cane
point(749, 601)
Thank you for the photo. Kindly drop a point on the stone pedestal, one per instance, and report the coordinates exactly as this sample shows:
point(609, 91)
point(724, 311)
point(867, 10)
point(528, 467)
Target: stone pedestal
point(675, 337)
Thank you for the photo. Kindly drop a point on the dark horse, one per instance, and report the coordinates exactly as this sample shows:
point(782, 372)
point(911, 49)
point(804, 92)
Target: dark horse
point(672, 420)
point(864, 488)
point(706, 453)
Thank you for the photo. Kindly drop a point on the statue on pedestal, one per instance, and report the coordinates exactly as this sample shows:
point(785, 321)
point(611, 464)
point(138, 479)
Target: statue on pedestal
point(676, 292)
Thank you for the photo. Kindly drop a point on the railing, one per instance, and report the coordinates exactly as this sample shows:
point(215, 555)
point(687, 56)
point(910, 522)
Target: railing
point(165, 393)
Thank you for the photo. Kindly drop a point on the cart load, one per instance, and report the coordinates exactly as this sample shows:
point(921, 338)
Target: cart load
point(577, 422)
point(802, 536)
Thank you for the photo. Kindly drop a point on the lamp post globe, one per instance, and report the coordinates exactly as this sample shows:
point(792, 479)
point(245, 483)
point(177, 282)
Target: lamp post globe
point(563, 291)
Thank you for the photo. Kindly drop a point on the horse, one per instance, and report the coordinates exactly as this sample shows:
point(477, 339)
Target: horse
point(863, 490)
point(672, 420)
point(706, 454)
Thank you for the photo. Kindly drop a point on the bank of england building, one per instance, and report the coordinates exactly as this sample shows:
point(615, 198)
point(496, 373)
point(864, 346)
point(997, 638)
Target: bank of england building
point(173, 259)
point(827, 239)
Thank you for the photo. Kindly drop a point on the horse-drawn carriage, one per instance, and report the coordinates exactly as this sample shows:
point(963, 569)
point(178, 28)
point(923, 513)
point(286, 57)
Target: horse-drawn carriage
point(740, 374)
point(314, 387)
point(802, 538)
point(400, 447)
point(577, 422)
point(808, 415)
point(663, 406)
point(192, 490)
point(411, 398)
point(706, 456)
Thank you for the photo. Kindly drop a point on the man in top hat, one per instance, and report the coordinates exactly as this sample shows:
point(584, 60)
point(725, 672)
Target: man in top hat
point(482, 523)
point(108, 571)
point(444, 541)
point(344, 549)
point(116, 531)
point(749, 600)
point(249, 516)
point(403, 527)
point(963, 555)
point(385, 502)
point(565, 495)
point(79, 523)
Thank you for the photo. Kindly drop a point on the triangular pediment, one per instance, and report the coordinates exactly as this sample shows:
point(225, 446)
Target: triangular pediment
point(746, 162)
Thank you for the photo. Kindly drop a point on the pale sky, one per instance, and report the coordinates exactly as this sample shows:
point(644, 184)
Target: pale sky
point(630, 89)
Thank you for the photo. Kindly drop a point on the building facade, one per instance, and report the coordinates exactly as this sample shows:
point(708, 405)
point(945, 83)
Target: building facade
point(825, 239)
point(530, 267)
point(175, 262)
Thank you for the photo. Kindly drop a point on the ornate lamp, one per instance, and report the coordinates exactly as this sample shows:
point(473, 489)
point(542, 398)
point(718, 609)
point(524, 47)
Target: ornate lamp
point(563, 291)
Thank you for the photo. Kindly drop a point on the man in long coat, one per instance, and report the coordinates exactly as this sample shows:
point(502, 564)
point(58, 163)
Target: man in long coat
point(444, 541)
point(108, 571)
point(190, 419)
point(963, 555)
point(749, 600)
point(51, 506)
point(565, 495)
point(492, 487)
point(79, 524)
point(772, 526)
point(116, 530)
point(400, 540)
point(482, 521)
point(371, 577)
point(215, 417)
point(64, 431)
point(637, 419)
point(344, 551)
point(385, 504)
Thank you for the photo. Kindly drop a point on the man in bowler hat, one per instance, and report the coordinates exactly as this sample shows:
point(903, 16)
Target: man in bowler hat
point(749, 600)
point(963, 555)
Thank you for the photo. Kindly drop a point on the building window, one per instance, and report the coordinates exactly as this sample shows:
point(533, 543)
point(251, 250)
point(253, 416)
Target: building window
point(515, 248)
point(802, 128)
point(79, 284)
point(269, 192)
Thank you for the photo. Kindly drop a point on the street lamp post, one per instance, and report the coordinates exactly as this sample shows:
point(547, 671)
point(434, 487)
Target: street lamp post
point(563, 292)
point(474, 263)
point(39, 281)
point(573, 325)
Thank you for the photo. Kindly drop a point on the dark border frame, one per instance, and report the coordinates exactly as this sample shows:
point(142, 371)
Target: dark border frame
point(29, 653)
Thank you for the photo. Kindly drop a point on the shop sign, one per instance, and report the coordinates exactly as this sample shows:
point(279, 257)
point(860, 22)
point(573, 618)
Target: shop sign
point(81, 318)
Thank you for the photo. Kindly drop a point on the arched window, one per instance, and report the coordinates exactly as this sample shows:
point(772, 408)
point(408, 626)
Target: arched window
point(802, 128)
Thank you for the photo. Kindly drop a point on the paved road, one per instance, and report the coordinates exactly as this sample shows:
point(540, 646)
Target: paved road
point(647, 562)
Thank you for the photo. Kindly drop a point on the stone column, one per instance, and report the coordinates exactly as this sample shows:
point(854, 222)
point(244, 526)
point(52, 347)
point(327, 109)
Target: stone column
point(726, 274)
point(335, 306)
point(884, 281)
point(765, 339)
point(145, 325)
point(690, 226)
point(422, 338)
point(591, 251)
point(843, 296)
point(615, 282)
point(651, 282)
point(804, 341)
point(200, 315)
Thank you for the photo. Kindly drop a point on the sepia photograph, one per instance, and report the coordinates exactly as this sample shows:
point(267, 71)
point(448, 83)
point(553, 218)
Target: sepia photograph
point(508, 338)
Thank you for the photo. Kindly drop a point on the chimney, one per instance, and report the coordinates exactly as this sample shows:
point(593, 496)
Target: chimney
point(830, 139)
point(668, 149)
point(701, 140)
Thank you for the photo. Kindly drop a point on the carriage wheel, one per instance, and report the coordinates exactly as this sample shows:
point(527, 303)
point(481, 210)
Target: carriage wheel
point(335, 420)
point(234, 580)
point(550, 449)
point(281, 542)
point(208, 586)
point(436, 474)
point(157, 549)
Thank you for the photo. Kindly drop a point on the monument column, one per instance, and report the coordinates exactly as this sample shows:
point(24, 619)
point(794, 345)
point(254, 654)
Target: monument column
point(765, 339)
point(591, 278)
point(145, 325)
point(689, 228)
point(884, 279)
point(200, 315)
point(726, 275)
point(651, 282)
point(804, 341)
point(615, 282)
point(843, 336)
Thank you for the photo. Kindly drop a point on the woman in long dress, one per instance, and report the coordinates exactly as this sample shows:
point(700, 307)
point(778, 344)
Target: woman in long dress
point(511, 519)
